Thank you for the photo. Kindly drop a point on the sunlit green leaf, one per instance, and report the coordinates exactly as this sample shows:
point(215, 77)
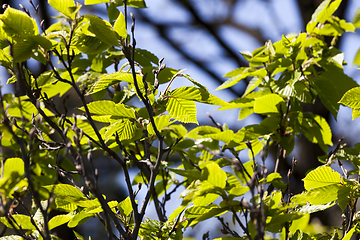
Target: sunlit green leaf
point(351, 98)
point(268, 104)
point(103, 30)
point(322, 176)
point(120, 26)
point(182, 110)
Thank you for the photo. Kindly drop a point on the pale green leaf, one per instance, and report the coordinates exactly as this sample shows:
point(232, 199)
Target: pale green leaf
point(268, 104)
point(215, 175)
point(308, 208)
point(210, 212)
point(125, 128)
point(79, 218)
point(355, 113)
point(65, 190)
point(125, 206)
point(109, 80)
point(92, 2)
point(211, 132)
point(349, 234)
point(160, 123)
point(107, 107)
point(54, 88)
point(59, 220)
point(322, 176)
point(24, 220)
point(351, 98)
point(120, 26)
point(13, 165)
point(182, 110)
point(18, 23)
point(242, 74)
point(66, 7)
point(322, 13)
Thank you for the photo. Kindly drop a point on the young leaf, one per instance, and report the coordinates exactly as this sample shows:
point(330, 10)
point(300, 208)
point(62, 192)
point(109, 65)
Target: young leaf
point(59, 220)
point(23, 220)
point(92, 2)
point(65, 190)
point(103, 30)
point(268, 104)
point(349, 234)
point(351, 98)
point(182, 110)
point(106, 107)
point(215, 175)
point(329, 82)
point(120, 26)
point(322, 176)
point(66, 7)
point(18, 23)
point(125, 206)
point(160, 122)
point(109, 80)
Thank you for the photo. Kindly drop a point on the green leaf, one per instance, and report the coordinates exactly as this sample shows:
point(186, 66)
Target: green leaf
point(109, 80)
point(201, 213)
point(59, 220)
point(125, 206)
point(89, 44)
point(66, 7)
point(103, 30)
point(349, 234)
point(65, 190)
point(145, 58)
point(23, 50)
point(13, 165)
point(17, 23)
point(160, 123)
point(322, 176)
point(125, 128)
point(242, 73)
point(182, 110)
point(92, 2)
point(331, 85)
point(134, 3)
point(79, 218)
point(322, 13)
point(54, 88)
point(214, 174)
point(268, 104)
point(308, 208)
point(107, 107)
point(120, 26)
point(276, 179)
point(300, 224)
point(276, 222)
point(23, 220)
point(351, 98)
point(211, 132)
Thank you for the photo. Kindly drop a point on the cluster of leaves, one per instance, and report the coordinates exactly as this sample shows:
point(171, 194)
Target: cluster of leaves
point(45, 150)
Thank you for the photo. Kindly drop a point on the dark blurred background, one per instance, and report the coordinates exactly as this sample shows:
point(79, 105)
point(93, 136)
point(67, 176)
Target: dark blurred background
point(205, 37)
